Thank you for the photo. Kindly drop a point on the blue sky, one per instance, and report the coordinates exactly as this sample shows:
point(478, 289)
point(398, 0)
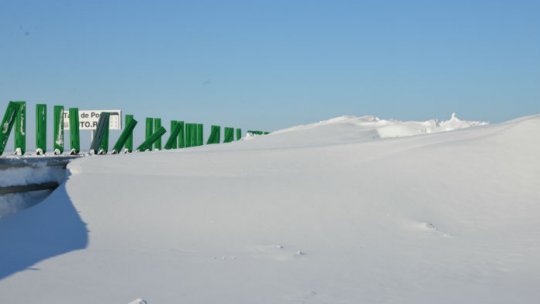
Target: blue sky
point(271, 64)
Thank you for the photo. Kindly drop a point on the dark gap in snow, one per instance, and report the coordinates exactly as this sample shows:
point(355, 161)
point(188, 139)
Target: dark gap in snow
point(24, 182)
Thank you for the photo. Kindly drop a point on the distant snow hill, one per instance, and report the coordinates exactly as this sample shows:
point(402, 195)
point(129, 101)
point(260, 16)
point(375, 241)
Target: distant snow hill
point(349, 210)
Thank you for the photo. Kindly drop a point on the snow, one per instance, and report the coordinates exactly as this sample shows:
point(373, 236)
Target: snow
point(31, 175)
point(333, 212)
point(11, 203)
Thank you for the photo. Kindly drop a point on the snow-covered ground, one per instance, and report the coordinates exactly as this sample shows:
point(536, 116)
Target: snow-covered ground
point(342, 211)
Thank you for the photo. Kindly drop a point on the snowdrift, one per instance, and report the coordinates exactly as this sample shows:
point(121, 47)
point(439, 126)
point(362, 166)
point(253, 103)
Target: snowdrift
point(343, 211)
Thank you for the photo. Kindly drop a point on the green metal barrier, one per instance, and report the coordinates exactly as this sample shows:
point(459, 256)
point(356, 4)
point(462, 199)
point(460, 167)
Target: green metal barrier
point(238, 134)
point(58, 134)
point(74, 133)
point(189, 133)
point(104, 146)
point(129, 140)
point(228, 135)
point(181, 134)
point(172, 142)
point(200, 135)
point(157, 125)
point(215, 135)
point(41, 128)
point(195, 135)
point(20, 129)
point(7, 124)
point(126, 136)
point(101, 135)
point(147, 144)
point(149, 129)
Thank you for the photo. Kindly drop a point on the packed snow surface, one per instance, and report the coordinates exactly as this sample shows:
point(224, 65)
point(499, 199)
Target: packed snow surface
point(342, 211)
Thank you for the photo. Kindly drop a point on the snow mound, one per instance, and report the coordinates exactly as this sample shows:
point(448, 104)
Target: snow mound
point(382, 128)
point(325, 213)
point(355, 130)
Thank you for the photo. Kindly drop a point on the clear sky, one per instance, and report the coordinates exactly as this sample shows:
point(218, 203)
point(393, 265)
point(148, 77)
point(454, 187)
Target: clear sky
point(271, 64)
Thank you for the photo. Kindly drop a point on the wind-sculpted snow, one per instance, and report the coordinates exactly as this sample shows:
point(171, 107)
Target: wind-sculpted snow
point(352, 129)
point(333, 212)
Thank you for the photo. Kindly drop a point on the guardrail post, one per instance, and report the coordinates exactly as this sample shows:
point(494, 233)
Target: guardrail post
point(215, 135)
point(74, 134)
point(100, 143)
point(7, 124)
point(41, 129)
point(181, 134)
point(126, 137)
point(149, 129)
point(157, 125)
point(58, 144)
point(238, 134)
point(147, 144)
point(228, 135)
point(20, 129)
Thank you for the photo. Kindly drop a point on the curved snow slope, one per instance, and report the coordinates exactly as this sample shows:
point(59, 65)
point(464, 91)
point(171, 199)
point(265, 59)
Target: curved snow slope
point(352, 129)
point(450, 217)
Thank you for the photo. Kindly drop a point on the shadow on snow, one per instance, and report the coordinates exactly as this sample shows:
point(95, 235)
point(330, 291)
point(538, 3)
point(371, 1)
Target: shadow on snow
point(51, 228)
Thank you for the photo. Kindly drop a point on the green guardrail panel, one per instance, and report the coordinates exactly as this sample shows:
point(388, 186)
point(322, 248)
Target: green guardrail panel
point(172, 142)
point(200, 134)
point(104, 145)
point(149, 129)
point(126, 136)
point(181, 134)
point(238, 134)
point(228, 135)
point(147, 144)
point(129, 140)
point(157, 125)
point(188, 133)
point(195, 135)
point(20, 129)
point(101, 135)
point(7, 124)
point(215, 135)
point(41, 128)
point(74, 133)
point(58, 132)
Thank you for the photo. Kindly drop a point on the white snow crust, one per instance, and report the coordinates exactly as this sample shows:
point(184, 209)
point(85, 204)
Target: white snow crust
point(342, 211)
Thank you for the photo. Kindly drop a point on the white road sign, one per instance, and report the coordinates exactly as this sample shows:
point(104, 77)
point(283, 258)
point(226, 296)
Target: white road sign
point(88, 119)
